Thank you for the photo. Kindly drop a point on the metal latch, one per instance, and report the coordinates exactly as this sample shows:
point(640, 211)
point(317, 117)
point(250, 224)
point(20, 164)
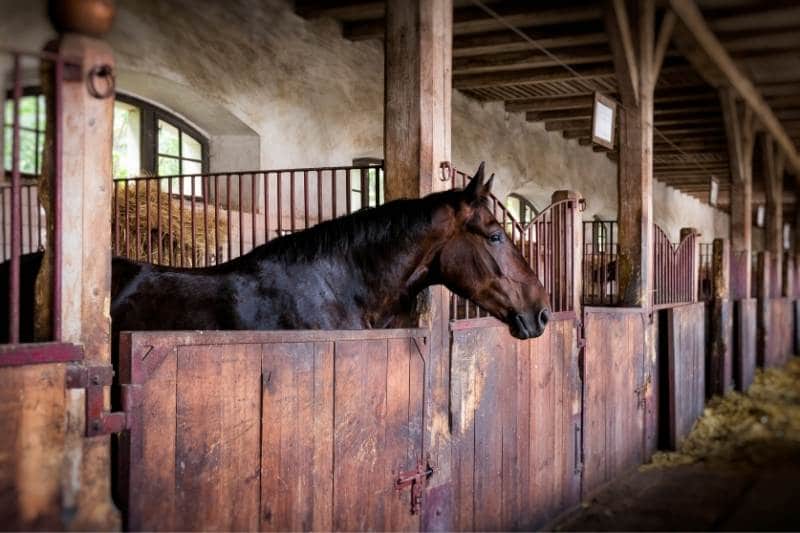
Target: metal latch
point(415, 480)
point(94, 379)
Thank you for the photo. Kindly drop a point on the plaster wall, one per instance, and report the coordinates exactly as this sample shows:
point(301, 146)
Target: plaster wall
point(273, 90)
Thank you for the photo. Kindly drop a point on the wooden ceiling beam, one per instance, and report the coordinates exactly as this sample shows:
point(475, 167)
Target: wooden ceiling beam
point(559, 114)
point(343, 11)
point(537, 75)
point(761, 16)
point(549, 103)
point(472, 20)
point(692, 19)
point(567, 124)
point(506, 41)
point(529, 59)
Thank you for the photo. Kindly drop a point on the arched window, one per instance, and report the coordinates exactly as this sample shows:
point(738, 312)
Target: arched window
point(147, 139)
point(520, 208)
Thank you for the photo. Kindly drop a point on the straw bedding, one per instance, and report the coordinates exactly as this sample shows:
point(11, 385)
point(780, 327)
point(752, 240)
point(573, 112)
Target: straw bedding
point(168, 248)
point(752, 427)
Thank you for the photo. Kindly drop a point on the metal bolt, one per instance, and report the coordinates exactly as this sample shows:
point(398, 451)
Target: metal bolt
point(95, 380)
point(95, 425)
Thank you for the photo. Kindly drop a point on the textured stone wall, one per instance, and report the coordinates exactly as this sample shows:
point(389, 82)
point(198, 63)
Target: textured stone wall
point(273, 90)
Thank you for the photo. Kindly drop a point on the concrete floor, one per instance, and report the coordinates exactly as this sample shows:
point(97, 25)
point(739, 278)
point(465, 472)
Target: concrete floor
point(697, 497)
point(741, 471)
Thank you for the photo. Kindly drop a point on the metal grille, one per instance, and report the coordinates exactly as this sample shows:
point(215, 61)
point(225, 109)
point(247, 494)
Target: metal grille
point(600, 285)
point(674, 268)
point(705, 276)
point(197, 220)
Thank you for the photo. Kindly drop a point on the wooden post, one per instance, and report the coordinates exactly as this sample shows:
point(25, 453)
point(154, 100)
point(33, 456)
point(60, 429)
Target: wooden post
point(773, 180)
point(763, 307)
point(636, 63)
point(418, 88)
point(418, 85)
point(695, 266)
point(86, 266)
point(740, 132)
point(720, 362)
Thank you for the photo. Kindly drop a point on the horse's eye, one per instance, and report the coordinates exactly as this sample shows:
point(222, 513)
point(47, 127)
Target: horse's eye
point(496, 236)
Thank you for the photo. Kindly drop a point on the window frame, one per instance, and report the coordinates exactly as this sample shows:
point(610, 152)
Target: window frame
point(150, 114)
point(29, 90)
point(524, 205)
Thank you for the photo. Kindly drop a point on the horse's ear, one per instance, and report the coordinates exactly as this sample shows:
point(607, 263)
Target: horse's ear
point(487, 188)
point(475, 186)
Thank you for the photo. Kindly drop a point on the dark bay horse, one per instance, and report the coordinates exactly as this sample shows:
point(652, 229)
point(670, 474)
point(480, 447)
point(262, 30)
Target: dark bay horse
point(362, 270)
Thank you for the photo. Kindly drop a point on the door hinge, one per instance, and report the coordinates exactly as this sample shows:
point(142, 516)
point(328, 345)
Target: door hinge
point(415, 480)
point(94, 379)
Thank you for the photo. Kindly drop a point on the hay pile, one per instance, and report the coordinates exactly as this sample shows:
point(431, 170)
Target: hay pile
point(753, 427)
point(167, 249)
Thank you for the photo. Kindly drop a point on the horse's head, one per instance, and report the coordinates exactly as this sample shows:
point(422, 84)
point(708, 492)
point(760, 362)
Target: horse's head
point(481, 263)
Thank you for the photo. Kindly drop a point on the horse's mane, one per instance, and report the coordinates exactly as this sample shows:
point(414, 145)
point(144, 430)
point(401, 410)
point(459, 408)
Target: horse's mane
point(389, 225)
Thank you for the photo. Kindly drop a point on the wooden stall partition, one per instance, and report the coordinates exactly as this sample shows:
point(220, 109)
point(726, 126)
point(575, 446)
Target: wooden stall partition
point(271, 430)
point(719, 363)
point(761, 279)
point(779, 341)
point(617, 382)
point(686, 345)
point(516, 425)
point(744, 342)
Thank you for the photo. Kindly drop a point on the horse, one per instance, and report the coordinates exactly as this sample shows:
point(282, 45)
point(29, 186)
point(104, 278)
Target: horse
point(359, 271)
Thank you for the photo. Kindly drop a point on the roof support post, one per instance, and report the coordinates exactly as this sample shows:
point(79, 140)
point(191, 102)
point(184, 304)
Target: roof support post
point(636, 62)
point(417, 93)
point(773, 167)
point(740, 133)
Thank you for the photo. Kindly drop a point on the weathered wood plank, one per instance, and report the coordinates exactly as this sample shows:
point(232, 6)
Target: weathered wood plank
point(613, 414)
point(744, 355)
point(32, 446)
point(151, 463)
point(217, 448)
point(686, 367)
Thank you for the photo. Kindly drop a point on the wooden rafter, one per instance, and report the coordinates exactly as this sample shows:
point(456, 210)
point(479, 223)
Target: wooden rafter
point(717, 56)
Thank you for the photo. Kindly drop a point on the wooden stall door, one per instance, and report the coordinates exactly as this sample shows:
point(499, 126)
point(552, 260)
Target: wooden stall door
point(686, 351)
point(744, 343)
point(617, 387)
point(515, 425)
point(779, 342)
point(272, 430)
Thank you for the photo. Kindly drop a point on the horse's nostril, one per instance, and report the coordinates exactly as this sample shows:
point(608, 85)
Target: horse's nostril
point(544, 317)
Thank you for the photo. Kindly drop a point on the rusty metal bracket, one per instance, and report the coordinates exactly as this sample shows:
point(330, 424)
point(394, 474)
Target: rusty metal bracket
point(415, 480)
point(101, 72)
point(94, 379)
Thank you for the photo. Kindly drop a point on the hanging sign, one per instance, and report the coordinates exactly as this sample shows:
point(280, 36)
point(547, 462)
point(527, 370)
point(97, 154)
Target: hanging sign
point(760, 215)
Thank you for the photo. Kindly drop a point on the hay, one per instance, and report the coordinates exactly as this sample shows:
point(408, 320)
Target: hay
point(167, 249)
point(753, 427)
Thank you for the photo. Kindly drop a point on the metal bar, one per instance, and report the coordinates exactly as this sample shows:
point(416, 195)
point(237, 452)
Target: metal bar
point(333, 193)
point(266, 207)
point(279, 202)
point(14, 267)
point(180, 218)
point(241, 215)
point(230, 218)
point(159, 241)
point(194, 232)
point(217, 247)
point(207, 255)
point(253, 211)
point(169, 221)
point(136, 219)
point(147, 225)
point(349, 188)
point(292, 206)
point(305, 198)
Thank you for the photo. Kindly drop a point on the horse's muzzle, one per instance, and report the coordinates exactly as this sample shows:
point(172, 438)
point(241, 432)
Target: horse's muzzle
point(529, 325)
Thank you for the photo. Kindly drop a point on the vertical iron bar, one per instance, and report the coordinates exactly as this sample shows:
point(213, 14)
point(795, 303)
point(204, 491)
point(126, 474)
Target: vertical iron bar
point(305, 198)
point(230, 218)
point(192, 207)
point(180, 218)
point(14, 270)
point(169, 221)
point(241, 215)
point(292, 206)
point(147, 214)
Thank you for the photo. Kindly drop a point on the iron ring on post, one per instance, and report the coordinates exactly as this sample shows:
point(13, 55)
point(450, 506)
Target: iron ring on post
point(447, 171)
point(105, 72)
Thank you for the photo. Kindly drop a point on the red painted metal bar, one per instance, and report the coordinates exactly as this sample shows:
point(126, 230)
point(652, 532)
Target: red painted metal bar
point(14, 270)
point(39, 353)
